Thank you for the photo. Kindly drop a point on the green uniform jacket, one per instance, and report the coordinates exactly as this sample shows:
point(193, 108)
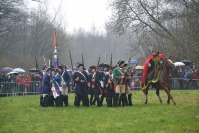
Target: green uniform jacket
point(117, 75)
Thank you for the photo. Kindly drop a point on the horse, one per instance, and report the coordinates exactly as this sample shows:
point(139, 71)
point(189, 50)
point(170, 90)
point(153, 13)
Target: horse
point(162, 72)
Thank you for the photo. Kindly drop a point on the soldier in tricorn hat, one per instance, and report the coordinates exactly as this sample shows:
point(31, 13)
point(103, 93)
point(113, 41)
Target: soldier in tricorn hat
point(81, 87)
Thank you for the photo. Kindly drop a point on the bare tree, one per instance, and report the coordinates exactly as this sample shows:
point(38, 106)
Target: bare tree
point(172, 25)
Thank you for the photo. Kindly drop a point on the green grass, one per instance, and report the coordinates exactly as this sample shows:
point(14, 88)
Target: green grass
point(23, 114)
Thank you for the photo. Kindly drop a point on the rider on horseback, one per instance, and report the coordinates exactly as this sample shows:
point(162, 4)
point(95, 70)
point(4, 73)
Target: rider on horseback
point(152, 62)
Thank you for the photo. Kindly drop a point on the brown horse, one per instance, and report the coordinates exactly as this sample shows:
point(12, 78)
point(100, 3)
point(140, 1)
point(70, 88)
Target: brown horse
point(162, 72)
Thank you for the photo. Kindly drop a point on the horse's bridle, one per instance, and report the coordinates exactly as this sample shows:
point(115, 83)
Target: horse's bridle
point(165, 63)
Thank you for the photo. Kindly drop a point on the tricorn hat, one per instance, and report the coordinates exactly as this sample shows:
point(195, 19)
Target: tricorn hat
point(92, 67)
point(120, 62)
point(80, 65)
point(106, 66)
point(125, 64)
point(61, 67)
point(64, 66)
point(48, 69)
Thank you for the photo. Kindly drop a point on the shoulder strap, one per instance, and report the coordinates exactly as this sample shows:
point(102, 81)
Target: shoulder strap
point(120, 71)
point(57, 83)
point(94, 74)
point(63, 74)
point(82, 75)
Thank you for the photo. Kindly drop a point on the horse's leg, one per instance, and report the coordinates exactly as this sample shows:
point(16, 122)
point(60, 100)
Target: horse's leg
point(146, 93)
point(158, 94)
point(168, 100)
point(169, 94)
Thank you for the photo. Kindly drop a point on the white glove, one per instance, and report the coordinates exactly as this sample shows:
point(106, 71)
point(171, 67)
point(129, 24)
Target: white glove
point(149, 64)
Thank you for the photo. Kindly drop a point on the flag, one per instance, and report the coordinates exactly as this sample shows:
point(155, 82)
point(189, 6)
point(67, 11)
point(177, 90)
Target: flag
point(56, 61)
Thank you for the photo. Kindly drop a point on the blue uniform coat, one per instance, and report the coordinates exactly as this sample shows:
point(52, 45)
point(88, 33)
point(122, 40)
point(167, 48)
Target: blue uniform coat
point(46, 87)
point(81, 86)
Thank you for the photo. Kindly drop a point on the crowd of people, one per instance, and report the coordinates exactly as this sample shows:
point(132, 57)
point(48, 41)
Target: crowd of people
point(19, 84)
point(97, 85)
point(184, 78)
point(97, 82)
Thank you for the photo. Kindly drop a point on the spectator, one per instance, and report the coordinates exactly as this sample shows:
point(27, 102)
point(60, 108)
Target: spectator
point(195, 78)
point(3, 85)
point(181, 78)
point(36, 78)
point(187, 77)
point(4, 77)
point(174, 75)
point(27, 83)
point(19, 82)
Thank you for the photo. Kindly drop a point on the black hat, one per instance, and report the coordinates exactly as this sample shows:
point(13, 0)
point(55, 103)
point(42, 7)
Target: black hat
point(44, 67)
point(53, 69)
point(80, 65)
point(61, 67)
point(64, 66)
point(101, 65)
point(106, 66)
point(120, 62)
point(48, 69)
point(114, 66)
point(92, 67)
point(125, 64)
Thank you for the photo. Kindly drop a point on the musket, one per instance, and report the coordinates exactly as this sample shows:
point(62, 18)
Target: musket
point(37, 67)
point(98, 64)
point(111, 63)
point(128, 68)
point(71, 61)
point(135, 65)
point(82, 59)
point(111, 70)
point(129, 59)
point(50, 61)
point(44, 60)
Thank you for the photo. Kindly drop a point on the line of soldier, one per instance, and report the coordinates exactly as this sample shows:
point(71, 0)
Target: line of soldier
point(100, 82)
point(54, 87)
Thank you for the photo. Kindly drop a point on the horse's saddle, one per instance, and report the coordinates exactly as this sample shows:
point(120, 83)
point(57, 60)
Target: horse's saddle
point(152, 77)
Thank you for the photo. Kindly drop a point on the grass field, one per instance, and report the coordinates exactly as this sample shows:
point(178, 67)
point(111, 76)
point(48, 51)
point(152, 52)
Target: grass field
point(23, 114)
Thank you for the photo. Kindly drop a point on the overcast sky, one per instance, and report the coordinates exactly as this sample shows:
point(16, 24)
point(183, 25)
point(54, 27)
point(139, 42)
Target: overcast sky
point(80, 13)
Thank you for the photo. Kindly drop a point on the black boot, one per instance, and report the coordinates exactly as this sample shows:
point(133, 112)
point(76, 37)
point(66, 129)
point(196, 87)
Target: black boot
point(101, 101)
point(57, 101)
point(123, 99)
point(46, 101)
point(116, 99)
point(41, 100)
point(75, 101)
point(91, 99)
point(120, 100)
point(51, 100)
point(65, 100)
point(130, 99)
point(66, 104)
point(109, 102)
point(61, 100)
point(78, 100)
point(98, 102)
point(87, 101)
